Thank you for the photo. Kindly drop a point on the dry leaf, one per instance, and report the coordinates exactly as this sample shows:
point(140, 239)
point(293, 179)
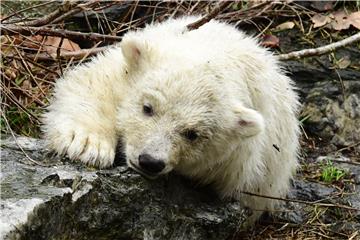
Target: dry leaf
point(340, 21)
point(51, 45)
point(26, 85)
point(354, 19)
point(270, 41)
point(344, 62)
point(10, 73)
point(320, 20)
point(284, 26)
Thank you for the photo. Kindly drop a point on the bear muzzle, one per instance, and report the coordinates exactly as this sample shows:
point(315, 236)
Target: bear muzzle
point(151, 164)
point(148, 166)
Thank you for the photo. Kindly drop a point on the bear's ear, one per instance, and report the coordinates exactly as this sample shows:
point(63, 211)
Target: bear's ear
point(248, 121)
point(136, 52)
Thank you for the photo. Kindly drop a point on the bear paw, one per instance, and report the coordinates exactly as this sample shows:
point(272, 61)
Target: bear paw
point(90, 148)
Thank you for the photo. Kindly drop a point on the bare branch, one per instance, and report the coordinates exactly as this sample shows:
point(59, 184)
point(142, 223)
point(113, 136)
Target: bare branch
point(320, 50)
point(220, 7)
point(76, 55)
point(24, 10)
point(315, 203)
point(65, 7)
point(11, 29)
point(15, 138)
point(79, 8)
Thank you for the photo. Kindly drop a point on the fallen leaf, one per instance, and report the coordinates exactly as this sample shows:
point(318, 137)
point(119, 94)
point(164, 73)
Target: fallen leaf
point(340, 21)
point(51, 45)
point(284, 26)
point(322, 5)
point(10, 73)
point(320, 20)
point(344, 62)
point(271, 41)
point(354, 19)
point(26, 85)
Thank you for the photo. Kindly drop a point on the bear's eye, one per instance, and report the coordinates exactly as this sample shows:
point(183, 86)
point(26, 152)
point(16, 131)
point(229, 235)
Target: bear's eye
point(148, 110)
point(190, 135)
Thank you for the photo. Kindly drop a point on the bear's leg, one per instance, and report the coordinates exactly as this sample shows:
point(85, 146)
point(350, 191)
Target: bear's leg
point(81, 121)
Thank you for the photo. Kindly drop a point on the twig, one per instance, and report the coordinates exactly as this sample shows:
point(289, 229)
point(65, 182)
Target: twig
point(10, 95)
point(24, 10)
point(88, 53)
point(58, 51)
point(11, 29)
point(303, 202)
point(220, 7)
point(65, 7)
point(17, 143)
point(67, 55)
point(346, 162)
point(74, 11)
point(34, 63)
point(28, 69)
point(320, 50)
point(347, 148)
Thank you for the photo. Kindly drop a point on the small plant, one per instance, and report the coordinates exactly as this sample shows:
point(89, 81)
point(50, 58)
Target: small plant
point(331, 173)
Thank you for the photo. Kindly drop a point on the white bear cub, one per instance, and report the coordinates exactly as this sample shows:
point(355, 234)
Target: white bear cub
point(209, 103)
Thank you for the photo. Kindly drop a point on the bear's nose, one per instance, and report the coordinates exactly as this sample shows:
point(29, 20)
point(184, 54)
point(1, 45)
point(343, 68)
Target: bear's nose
point(150, 164)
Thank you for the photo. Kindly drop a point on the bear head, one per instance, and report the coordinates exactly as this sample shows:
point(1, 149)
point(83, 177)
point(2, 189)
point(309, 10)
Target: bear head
point(176, 114)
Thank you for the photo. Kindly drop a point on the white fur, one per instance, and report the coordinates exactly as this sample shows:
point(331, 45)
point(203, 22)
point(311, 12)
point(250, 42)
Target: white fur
point(214, 79)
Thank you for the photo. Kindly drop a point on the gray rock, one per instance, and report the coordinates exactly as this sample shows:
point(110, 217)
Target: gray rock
point(62, 200)
point(309, 191)
point(352, 170)
point(330, 105)
point(313, 191)
point(306, 191)
point(333, 118)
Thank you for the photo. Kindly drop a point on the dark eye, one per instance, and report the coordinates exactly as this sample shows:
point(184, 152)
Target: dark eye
point(190, 135)
point(148, 110)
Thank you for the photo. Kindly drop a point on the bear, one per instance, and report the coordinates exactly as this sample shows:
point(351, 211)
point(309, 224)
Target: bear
point(210, 104)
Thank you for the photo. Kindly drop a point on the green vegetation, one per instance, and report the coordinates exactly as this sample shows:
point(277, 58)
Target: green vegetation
point(331, 173)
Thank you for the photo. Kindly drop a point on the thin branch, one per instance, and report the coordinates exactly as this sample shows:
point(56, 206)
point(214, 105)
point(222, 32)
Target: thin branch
point(26, 56)
point(17, 143)
point(76, 55)
point(220, 7)
point(320, 50)
point(65, 7)
point(24, 10)
point(303, 202)
point(74, 11)
point(11, 29)
point(10, 95)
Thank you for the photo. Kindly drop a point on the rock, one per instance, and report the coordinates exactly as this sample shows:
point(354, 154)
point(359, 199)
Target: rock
point(331, 105)
point(309, 191)
point(63, 200)
point(303, 190)
point(352, 170)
